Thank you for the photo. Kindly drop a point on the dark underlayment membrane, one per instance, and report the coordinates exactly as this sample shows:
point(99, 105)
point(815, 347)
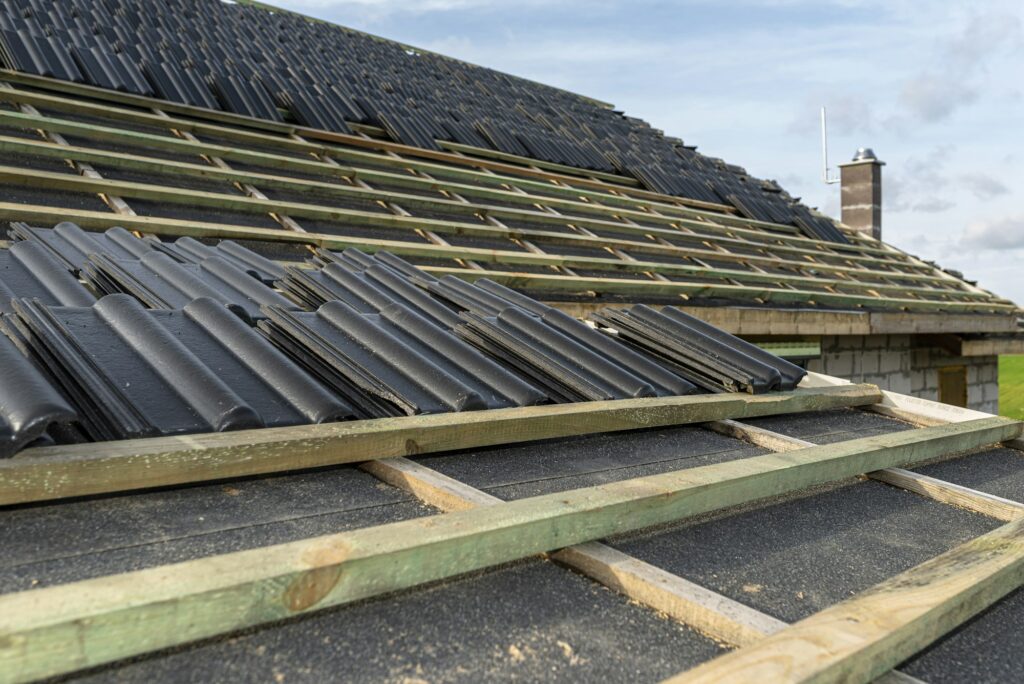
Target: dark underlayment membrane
point(529, 620)
point(184, 337)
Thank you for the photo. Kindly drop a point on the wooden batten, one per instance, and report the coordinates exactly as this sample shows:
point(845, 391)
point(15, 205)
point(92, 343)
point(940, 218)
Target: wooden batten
point(64, 471)
point(859, 639)
point(74, 626)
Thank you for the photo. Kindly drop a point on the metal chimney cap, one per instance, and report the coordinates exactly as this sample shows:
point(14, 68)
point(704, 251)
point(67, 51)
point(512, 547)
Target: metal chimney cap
point(865, 154)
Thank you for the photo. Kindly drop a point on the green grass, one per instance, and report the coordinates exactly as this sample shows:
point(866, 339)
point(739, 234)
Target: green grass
point(1011, 386)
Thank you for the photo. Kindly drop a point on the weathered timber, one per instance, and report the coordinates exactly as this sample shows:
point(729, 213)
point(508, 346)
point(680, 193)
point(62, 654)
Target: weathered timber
point(929, 487)
point(858, 639)
point(74, 626)
point(65, 471)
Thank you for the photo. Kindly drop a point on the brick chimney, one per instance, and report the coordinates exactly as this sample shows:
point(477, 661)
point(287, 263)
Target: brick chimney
point(861, 190)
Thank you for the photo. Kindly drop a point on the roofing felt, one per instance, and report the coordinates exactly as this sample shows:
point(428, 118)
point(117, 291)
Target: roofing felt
point(785, 557)
point(259, 63)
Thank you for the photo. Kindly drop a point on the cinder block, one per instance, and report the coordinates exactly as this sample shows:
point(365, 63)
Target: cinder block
point(869, 361)
point(918, 382)
point(986, 406)
point(989, 372)
point(890, 361)
point(921, 358)
point(899, 342)
point(899, 382)
point(849, 343)
point(839, 365)
point(874, 341)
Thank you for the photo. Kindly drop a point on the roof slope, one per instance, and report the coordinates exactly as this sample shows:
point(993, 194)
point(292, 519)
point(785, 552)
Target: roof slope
point(273, 65)
point(211, 571)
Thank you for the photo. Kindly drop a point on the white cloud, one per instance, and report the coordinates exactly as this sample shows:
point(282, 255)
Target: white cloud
point(957, 72)
point(982, 185)
point(1005, 232)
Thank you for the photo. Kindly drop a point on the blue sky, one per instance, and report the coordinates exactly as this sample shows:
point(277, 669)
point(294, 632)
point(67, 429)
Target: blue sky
point(936, 88)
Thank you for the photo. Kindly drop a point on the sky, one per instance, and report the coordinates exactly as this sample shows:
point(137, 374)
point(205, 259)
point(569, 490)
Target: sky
point(935, 88)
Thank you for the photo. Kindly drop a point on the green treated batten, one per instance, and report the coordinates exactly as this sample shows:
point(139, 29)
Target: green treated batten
point(64, 471)
point(74, 626)
point(156, 165)
point(260, 206)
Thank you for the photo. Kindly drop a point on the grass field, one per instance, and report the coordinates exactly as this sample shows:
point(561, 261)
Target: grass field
point(1011, 386)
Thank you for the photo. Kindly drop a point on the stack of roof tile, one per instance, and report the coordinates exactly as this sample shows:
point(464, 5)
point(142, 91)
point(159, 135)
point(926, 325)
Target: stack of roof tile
point(161, 282)
point(72, 246)
point(705, 355)
point(133, 372)
point(195, 337)
point(26, 270)
point(567, 358)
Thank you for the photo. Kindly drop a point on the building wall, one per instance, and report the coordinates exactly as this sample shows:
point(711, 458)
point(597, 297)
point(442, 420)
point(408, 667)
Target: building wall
point(892, 362)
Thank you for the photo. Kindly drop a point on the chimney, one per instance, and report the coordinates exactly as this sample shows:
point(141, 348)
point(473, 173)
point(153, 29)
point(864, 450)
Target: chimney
point(861, 190)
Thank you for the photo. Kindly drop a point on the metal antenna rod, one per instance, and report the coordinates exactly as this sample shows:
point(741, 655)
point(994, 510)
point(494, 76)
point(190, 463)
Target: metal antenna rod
point(824, 151)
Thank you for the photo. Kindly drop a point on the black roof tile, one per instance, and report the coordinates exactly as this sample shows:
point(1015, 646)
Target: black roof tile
point(250, 61)
point(134, 372)
point(27, 270)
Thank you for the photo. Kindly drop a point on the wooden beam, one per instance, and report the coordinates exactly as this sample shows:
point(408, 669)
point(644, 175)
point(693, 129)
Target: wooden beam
point(454, 166)
point(929, 487)
point(69, 627)
point(257, 203)
point(706, 611)
point(752, 239)
point(858, 639)
point(913, 410)
point(575, 284)
point(723, 226)
point(702, 609)
point(78, 470)
point(950, 493)
point(519, 167)
point(865, 278)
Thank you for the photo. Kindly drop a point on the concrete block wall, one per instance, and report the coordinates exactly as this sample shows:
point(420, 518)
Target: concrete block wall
point(893, 362)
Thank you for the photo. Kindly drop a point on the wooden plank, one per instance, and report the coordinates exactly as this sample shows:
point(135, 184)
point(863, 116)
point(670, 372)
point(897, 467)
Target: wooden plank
point(709, 612)
point(260, 204)
point(719, 226)
point(929, 487)
point(702, 609)
point(455, 166)
point(520, 167)
point(100, 221)
point(578, 284)
point(862, 637)
point(78, 625)
point(951, 493)
point(221, 171)
point(913, 410)
point(64, 471)
point(737, 224)
point(28, 177)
